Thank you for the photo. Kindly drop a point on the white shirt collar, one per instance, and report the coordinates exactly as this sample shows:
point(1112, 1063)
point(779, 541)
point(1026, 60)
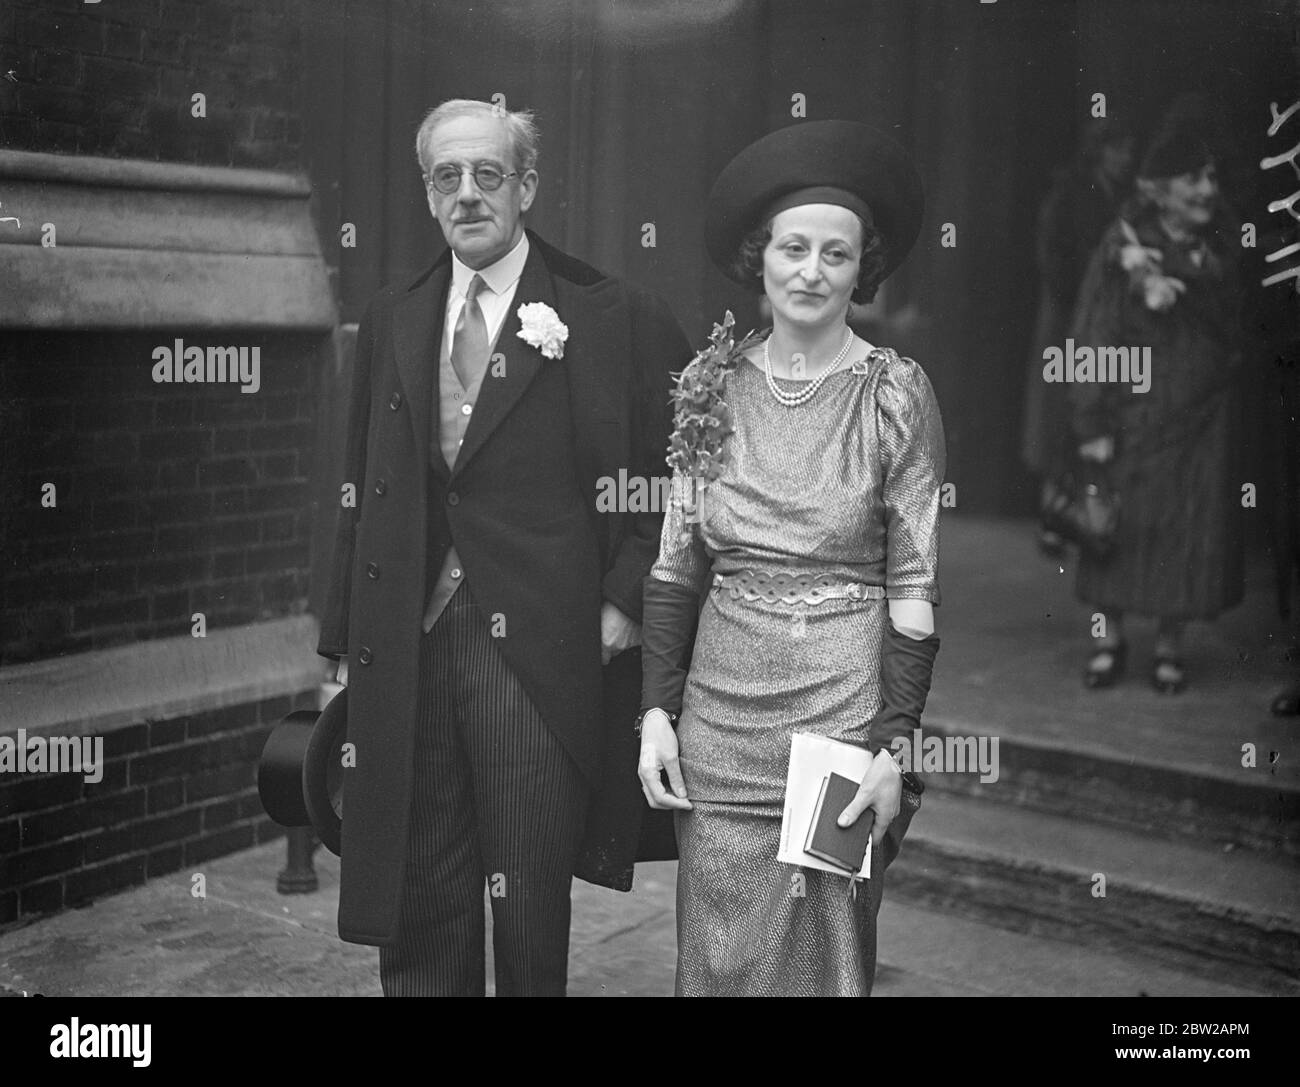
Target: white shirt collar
point(500, 276)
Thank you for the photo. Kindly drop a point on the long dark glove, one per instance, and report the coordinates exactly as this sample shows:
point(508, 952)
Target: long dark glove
point(906, 668)
point(669, 616)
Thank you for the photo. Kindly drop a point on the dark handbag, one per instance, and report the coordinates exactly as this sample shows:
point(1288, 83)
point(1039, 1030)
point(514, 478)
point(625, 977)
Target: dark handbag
point(1084, 509)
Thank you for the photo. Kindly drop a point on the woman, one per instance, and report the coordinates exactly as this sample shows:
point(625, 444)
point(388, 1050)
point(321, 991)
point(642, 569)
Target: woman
point(1083, 202)
point(813, 550)
point(1164, 278)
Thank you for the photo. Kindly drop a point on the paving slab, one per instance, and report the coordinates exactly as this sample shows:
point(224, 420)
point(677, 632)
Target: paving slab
point(245, 939)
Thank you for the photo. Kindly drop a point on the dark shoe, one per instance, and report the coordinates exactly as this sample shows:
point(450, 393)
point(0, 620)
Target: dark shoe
point(1168, 684)
point(1106, 666)
point(1287, 704)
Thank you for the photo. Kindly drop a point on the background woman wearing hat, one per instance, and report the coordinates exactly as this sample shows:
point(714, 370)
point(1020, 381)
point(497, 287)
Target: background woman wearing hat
point(813, 550)
point(1084, 199)
point(1165, 277)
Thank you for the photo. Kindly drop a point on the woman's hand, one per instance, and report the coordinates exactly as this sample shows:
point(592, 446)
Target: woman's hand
point(659, 753)
point(881, 791)
point(1099, 450)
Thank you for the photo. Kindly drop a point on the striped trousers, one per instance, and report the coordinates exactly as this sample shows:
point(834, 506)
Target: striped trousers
point(497, 803)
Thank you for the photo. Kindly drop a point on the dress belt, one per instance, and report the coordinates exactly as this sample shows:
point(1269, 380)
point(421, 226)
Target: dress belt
point(789, 588)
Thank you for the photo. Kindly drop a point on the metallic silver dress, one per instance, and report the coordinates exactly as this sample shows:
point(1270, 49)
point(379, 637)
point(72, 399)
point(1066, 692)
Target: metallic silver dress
point(844, 486)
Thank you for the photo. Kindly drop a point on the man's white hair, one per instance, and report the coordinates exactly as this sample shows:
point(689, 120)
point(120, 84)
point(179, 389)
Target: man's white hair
point(520, 126)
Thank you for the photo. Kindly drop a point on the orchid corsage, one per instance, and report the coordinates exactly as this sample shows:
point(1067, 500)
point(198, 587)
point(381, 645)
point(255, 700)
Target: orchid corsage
point(701, 418)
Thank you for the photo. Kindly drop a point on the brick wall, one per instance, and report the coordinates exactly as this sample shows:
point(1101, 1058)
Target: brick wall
point(171, 499)
point(116, 78)
point(173, 794)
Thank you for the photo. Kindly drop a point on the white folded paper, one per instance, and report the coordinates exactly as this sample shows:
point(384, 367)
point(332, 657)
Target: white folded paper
point(812, 758)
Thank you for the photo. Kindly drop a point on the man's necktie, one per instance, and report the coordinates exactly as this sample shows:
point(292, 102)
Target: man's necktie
point(469, 345)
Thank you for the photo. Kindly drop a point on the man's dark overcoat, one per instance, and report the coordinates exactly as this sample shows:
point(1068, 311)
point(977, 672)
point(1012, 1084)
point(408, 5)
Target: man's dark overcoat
point(538, 556)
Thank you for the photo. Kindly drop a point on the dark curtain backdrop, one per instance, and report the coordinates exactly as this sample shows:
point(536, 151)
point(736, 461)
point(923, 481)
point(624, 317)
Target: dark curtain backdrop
point(642, 103)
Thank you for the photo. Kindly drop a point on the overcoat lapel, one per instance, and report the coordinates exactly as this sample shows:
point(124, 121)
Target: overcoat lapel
point(599, 359)
point(417, 338)
point(602, 352)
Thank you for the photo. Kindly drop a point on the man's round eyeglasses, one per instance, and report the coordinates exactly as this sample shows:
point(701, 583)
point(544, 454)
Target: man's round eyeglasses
point(446, 179)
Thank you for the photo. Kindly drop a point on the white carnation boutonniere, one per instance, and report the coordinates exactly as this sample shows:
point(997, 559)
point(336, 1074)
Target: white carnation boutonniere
point(1143, 265)
point(543, 329)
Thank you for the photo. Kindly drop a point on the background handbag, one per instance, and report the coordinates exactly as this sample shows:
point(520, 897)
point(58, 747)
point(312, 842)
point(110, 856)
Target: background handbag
point(1085, 509)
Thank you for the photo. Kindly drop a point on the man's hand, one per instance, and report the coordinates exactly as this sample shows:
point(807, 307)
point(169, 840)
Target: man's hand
point(617, 632)
point(659, 753)
point(881, 791)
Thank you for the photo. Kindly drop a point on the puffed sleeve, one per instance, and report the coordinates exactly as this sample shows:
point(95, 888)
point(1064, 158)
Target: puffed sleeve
point(682, 559)
point(914, 460)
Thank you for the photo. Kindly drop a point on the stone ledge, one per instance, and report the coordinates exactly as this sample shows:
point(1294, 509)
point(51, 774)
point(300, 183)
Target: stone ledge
point(143, 174)
point(147, 245)
point(159, 680)
point(135, 289)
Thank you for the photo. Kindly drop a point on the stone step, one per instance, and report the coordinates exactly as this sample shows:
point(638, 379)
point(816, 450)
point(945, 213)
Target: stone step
point(1245, 808)
point(923, 952)
point(1228, 915)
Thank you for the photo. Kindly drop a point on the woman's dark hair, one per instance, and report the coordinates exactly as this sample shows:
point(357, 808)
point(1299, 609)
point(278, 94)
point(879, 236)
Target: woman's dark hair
point(1101, 133)
point(748, 264)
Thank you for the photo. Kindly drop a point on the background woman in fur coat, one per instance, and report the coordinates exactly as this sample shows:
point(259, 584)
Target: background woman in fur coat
point(1165, 277)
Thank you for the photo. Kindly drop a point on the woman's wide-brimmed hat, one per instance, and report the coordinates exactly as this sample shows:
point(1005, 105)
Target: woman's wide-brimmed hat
point(300, 775)
point(845, 163)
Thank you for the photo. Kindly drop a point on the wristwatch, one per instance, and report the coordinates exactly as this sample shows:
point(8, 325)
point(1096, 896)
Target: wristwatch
point(640, 717)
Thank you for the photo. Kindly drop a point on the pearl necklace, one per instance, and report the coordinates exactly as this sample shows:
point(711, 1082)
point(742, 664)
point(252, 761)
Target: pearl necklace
point(793, 400)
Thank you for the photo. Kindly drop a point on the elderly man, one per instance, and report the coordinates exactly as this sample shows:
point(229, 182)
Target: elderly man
point(476, 589)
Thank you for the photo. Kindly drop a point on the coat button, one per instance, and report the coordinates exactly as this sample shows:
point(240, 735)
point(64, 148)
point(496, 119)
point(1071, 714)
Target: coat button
point(452, 498)
point(395, 401)
point(372, 571)
point(365, 656)
point(380, 487)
